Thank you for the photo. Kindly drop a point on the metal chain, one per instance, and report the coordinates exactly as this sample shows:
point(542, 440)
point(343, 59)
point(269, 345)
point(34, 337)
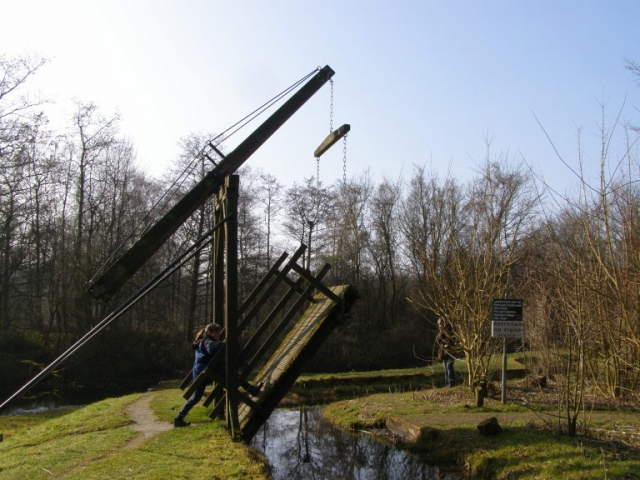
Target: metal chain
point(331, 108)
point(344, 159)
point(330, 131)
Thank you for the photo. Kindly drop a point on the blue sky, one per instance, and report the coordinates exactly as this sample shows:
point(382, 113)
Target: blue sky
point(420, 82)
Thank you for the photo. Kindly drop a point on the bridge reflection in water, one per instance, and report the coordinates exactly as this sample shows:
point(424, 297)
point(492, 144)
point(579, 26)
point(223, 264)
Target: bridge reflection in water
point(300, 445)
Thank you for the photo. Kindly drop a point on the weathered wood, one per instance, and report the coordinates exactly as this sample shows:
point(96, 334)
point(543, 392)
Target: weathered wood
point(273, 271)
point(270, 289)
point(284, 322)
point(317, 283)
point(187, 380)
point(206, 374)
point(218, 271)
point(217, 392)
point(218, 409)
point(331, 139)
point(255, 338)
point(293, 284)
point(230, 210)
point(283, 367)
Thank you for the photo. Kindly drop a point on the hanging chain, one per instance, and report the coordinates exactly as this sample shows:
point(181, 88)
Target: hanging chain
point(330, 131)
point(331, 108)
point(344, 159)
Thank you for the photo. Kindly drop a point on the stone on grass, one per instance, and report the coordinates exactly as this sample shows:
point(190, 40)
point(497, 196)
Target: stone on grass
point(490, 426)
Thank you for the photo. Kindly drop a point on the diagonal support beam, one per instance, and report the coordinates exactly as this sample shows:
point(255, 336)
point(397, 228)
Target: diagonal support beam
point(109, 283)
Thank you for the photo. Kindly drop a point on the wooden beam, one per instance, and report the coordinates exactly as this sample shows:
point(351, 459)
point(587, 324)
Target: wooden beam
point(230, 207)
point(273, 271)
point(332, 138)
point(266, 323)
point(317, 284)
point(282, 369)
point(109, 283)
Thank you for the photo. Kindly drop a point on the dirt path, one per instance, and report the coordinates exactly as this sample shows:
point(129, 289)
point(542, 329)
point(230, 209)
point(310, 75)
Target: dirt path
point(145, 422)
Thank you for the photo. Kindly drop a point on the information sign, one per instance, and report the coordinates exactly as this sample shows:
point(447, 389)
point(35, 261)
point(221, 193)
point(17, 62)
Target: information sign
point(506, 316)
point(506, 310)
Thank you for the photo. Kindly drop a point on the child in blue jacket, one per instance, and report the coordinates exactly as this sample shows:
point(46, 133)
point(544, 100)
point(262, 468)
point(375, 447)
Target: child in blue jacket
point(206, 344)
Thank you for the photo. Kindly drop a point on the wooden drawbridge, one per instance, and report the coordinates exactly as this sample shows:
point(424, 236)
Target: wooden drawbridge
point(275, 347)
point(279, 347)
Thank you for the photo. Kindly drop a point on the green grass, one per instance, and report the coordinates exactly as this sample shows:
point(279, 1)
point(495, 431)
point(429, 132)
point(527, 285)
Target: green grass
point(88, 443)
point(521, 451)
point(514, 364)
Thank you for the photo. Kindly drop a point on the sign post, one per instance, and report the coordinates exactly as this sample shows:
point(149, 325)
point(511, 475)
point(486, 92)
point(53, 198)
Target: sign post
point(506, 322)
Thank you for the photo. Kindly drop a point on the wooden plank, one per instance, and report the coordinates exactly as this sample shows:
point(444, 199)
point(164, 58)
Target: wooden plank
point(217, 392)
point(273, 271)
point(316, 283)
point(207, 373)
point(284, 322)
point(255, 338)
point(187, 380)
point(331, 139)
point(231, 189)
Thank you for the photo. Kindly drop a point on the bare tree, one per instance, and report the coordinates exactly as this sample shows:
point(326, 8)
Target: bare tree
point(19, 128)
point(470, 249)
point(270, 194)
point(384, 247)
point(307, 208)
point(350, 229)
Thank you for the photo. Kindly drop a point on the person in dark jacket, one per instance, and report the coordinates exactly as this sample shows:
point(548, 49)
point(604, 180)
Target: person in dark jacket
point(207, 343)
point(445, 353)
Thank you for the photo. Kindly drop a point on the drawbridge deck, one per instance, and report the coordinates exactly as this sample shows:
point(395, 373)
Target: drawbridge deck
point(285, 365)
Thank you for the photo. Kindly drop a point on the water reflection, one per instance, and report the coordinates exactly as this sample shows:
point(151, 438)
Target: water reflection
point(33, 406)
point(300, 445)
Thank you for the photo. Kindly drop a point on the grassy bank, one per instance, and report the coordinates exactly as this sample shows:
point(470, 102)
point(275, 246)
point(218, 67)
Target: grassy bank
point(524, 449)
point(331, 387)
point(91, 443)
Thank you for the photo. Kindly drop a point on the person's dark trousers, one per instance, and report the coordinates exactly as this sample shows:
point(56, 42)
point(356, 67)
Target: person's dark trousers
point(449, 374)
point(193, 401)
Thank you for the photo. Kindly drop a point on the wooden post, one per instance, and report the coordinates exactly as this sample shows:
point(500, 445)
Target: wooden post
point(218, 278)
point(504, 370)
point(231, 302)
point(218, 267)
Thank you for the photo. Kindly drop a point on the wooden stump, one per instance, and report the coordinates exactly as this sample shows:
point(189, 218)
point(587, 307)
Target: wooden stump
point(481, 392)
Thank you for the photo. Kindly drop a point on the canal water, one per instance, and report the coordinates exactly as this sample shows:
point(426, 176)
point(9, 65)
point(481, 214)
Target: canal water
point(299, 444)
